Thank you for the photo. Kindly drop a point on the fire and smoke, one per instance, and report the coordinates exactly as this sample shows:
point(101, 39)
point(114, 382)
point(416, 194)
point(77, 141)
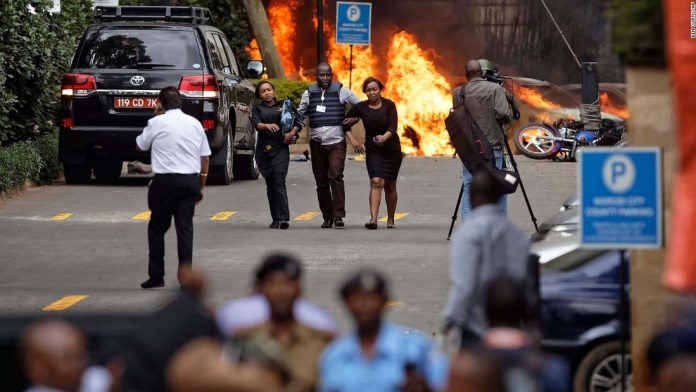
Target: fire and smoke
point(420, 91)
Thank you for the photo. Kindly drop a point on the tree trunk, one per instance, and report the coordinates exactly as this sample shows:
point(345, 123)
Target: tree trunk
point(262, 33)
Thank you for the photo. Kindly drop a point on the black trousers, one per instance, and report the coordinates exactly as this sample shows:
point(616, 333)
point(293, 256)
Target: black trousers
point(328, 163)
point(273, 166)
point(171, 195)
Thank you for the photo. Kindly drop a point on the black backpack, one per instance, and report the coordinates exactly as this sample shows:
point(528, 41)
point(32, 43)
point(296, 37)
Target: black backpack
point(472, 146)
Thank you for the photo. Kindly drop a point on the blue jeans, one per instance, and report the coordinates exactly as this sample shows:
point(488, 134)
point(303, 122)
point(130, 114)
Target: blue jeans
point(466, 183)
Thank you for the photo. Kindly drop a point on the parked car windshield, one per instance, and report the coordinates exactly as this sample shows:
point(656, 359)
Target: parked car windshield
point(140, 48)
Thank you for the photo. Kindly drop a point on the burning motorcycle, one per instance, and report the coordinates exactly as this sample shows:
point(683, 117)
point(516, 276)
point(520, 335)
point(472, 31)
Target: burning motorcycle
point(560, 141)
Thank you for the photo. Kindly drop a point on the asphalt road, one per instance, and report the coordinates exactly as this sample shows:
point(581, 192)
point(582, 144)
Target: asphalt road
point(94, 259)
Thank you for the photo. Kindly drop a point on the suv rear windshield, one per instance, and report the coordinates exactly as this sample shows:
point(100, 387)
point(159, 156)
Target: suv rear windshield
point(140, 48)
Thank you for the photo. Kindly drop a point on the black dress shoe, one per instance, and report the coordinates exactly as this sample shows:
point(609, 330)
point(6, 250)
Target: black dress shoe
point(339, 222)
point(152, 284)
point(371, 225)
point(274, 225)
point(328, 223)
point(284, 225)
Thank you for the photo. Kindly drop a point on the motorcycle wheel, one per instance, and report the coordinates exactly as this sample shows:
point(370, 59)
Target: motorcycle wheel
point(530, 141)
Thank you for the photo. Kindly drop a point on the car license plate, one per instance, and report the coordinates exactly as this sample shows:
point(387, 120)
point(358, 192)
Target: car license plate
point(135, 103)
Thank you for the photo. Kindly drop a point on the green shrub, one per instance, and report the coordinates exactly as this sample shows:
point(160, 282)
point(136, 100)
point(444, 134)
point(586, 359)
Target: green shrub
point(22, 161)
point(47, 147)
point(288, 89)
point(18, 163)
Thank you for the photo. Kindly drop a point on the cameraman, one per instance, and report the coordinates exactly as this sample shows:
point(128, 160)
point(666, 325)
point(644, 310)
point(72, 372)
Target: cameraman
point(488, 105)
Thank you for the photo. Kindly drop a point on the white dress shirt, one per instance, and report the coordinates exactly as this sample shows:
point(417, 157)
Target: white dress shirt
point(253, 310)
point(177, 141)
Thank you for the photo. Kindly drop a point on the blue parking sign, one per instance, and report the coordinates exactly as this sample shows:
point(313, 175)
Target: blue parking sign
point(353, 23)
point(620, 198)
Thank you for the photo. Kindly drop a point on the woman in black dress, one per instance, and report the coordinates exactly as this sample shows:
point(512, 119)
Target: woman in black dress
point(273, 152)
point(382, 146)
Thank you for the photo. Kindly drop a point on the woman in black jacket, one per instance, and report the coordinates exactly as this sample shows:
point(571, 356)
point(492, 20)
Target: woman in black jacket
point(382, 145)
point(273, 152)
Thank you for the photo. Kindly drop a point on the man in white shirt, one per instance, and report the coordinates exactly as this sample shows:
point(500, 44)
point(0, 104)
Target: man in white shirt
point(180, 159)
point(324, 103)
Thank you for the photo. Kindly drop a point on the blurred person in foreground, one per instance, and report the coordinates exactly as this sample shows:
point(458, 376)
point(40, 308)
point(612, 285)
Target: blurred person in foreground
point(253, 310)
point(475, 371)
point(378, 356)
point(526, 367)
point(671, 357)
point(178, 349)
point(487, 244)
point(54, 355)
point(298, 346)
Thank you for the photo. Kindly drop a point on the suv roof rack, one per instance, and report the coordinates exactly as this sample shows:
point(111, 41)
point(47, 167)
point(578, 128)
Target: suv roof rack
point(194, 15)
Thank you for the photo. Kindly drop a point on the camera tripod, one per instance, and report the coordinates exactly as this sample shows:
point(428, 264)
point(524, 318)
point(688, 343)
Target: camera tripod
point(508, 151)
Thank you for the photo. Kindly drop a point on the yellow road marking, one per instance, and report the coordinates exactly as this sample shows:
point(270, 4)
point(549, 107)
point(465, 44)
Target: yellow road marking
point(307, 216)
point(391, 304)
point(397, 216)
point(65, 302)
point(222, 216)
point(61, 217)
point(143, 216)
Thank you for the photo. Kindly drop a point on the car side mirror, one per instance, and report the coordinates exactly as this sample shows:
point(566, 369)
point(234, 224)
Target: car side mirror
point(255, 68)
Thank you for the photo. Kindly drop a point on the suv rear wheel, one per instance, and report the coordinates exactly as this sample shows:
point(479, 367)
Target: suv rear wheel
point(222, 174)
point(77, 174)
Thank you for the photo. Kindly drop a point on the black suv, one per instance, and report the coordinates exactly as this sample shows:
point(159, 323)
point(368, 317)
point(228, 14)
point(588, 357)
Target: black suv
point(111, 89)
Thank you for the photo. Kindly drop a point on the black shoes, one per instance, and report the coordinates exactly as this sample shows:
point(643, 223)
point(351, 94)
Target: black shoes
point(282, 224)
point(152, 284)
point(371, 225)
point(328, 223)
point(339, 222)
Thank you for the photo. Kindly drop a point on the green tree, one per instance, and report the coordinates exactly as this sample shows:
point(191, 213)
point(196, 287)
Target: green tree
point(35, 50)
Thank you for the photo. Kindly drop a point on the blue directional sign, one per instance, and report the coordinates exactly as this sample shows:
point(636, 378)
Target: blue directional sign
point(353, 23)
point(620, 198)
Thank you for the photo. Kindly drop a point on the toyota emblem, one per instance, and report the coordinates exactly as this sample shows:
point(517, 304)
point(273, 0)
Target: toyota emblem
point(137, 80)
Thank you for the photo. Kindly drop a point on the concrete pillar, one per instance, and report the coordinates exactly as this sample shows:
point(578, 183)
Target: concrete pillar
point(651, 124)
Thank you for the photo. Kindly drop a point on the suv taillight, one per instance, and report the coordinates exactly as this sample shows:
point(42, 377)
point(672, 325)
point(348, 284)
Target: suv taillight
point(78, 85)
point(199, 86)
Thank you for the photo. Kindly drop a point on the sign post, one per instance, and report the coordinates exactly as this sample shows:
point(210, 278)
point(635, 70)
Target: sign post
point(353, 27)
point(621, 208)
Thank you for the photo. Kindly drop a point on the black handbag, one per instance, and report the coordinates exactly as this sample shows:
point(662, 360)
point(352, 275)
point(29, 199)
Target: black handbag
point(473, 147)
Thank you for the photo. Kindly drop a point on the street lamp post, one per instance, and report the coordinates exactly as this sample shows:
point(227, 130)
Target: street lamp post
point(320, 31)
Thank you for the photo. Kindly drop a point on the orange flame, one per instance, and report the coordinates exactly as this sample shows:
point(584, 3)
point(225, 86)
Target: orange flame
point(533, 98)
point(609, 107)
point(363, 63)
point(253, 50)
point(422, 96)
point(283, 29)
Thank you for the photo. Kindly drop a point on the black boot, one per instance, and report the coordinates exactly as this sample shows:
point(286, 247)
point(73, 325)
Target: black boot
point(328, 223)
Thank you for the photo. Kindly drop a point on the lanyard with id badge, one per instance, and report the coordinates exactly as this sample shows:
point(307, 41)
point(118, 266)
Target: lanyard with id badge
point(321, 108)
